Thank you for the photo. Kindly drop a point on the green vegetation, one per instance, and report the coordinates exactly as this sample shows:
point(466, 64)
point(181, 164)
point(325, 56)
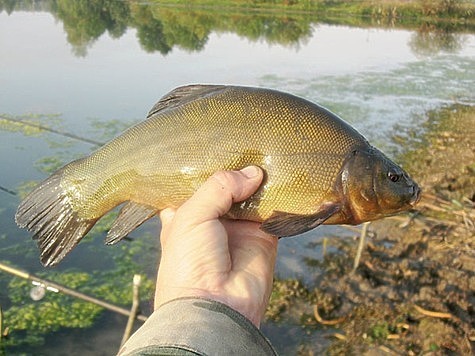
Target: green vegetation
point(380, 331)
point(164, 25)
point(30, 321)
point(285, 293)
point(105, 130)
point(21, 123)
point(420, 9)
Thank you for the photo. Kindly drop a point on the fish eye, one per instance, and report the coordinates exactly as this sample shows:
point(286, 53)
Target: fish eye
point(394, 177)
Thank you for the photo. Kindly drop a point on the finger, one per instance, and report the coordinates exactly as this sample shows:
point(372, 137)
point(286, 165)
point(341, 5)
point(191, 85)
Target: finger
point(219, 192)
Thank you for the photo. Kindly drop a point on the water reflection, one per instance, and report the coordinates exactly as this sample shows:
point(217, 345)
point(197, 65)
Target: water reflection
point(429, 40)
point(160, 28)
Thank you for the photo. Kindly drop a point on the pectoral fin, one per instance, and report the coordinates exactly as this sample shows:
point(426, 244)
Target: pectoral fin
point(130, 216)
point(286, 224)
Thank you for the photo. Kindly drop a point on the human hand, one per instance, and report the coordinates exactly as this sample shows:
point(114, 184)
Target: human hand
point(206, 256)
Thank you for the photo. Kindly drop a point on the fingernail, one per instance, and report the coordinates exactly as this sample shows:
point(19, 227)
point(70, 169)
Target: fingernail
point(250, 172)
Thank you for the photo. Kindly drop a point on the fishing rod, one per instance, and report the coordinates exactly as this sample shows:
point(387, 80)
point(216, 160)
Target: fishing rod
point(9, 191)
point(45, 128)
point(58, 288)
point(58, 132)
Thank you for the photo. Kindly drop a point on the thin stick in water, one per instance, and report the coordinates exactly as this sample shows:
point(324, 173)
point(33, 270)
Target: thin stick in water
point(133, 310)
point(364, 233)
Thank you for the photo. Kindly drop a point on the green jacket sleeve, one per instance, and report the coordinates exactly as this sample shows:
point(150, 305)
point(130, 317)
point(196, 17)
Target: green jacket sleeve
point(193, 326)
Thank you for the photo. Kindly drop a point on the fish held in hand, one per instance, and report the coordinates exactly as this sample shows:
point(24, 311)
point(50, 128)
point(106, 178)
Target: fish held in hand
point(318, 169)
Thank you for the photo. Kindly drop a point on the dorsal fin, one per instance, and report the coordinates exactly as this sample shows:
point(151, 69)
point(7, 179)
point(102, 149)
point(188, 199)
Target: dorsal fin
point(182, 95)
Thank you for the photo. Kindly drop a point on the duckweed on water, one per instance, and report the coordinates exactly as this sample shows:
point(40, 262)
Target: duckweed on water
point(30, 321)
point(28, 130)
point(52, 312)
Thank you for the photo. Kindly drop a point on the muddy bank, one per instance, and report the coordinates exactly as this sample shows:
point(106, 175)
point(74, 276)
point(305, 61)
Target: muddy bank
point(414, 289)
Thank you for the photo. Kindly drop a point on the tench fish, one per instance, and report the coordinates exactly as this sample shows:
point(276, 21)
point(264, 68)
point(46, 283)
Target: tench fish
point(318, 169)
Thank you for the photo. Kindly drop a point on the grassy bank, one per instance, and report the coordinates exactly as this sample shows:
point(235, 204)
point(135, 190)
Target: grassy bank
point(420, 10)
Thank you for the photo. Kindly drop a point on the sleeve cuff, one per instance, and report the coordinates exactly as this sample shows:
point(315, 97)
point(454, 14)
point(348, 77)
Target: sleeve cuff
point(197, 326)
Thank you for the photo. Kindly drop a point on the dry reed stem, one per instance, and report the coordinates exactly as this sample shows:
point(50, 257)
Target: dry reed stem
point(324, 321)
point(433, 314)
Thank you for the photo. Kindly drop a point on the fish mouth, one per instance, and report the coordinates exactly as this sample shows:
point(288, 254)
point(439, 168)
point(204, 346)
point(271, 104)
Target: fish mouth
point(416, 196)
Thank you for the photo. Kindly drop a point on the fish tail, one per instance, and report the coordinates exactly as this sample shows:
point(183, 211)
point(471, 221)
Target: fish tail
point(48, 213)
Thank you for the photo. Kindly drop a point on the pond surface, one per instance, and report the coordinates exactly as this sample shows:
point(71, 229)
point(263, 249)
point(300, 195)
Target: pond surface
point(92, 73)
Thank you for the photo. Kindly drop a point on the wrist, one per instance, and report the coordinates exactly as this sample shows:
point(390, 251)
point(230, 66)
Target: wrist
point(247, 307)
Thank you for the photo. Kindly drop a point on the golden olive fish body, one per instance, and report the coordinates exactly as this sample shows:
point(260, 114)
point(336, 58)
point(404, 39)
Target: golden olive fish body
point(318, 169)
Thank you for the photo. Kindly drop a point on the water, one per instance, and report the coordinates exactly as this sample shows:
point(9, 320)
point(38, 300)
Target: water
point(95, 80)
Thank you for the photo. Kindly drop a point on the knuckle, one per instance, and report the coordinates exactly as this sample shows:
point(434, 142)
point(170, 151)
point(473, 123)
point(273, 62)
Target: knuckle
point(228, 184)
point(226, 179)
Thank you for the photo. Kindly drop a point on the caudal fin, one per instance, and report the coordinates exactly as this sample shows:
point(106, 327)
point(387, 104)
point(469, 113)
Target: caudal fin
point(47, 212)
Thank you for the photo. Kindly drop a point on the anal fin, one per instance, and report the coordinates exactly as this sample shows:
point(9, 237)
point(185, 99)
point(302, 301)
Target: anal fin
point(283, 224)
point(131, 216)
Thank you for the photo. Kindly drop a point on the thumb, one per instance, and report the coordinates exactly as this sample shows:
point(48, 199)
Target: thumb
point(215, 197)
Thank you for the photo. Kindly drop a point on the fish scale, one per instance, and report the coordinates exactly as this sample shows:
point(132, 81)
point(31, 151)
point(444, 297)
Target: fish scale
point(316, 168)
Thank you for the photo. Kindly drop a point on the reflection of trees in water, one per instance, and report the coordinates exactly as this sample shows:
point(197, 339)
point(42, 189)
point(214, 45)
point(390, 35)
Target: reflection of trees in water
point(160, 28)
point(429, 40)
point(149, 30)
point(11, 5)
point(186, 29)
point(84, 21)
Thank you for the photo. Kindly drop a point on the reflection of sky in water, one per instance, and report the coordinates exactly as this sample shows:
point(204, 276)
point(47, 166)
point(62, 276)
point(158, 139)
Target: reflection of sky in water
point(370, 77)
point(118, 79)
